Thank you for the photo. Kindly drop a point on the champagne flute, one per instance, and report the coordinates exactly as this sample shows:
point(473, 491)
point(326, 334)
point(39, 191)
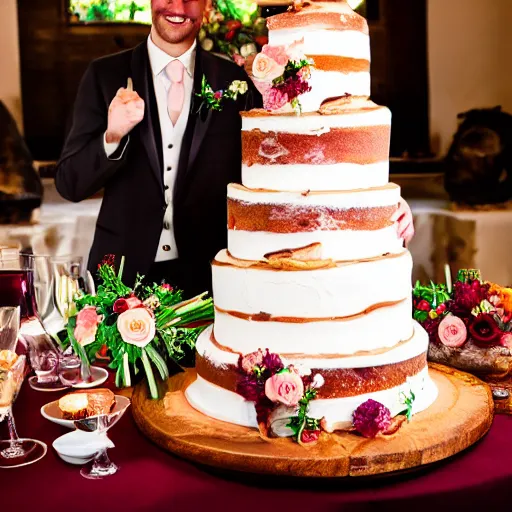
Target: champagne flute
point(14, 452)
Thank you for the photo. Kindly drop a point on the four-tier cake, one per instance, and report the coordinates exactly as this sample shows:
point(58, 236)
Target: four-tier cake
point(314, 271)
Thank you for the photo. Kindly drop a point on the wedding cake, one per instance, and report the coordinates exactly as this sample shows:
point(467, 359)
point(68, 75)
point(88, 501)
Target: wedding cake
point(314, 272)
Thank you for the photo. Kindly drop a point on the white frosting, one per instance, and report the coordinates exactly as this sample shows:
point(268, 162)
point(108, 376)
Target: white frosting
point(318, 124)
point(415, 346)
point(333, 84)
point(318, 41)
point(381, 328)
point(340, 245)
point(388, 195)
point(344, 290)
point(341, 176)
point(228, 406)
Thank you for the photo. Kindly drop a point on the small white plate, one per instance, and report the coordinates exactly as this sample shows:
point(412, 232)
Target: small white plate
point(52, 387)
point(79, 447)
point(100, 376)
point(52, 412)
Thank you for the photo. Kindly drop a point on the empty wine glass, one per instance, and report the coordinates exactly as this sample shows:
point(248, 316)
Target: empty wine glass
point(14, 452)
point(102, 466)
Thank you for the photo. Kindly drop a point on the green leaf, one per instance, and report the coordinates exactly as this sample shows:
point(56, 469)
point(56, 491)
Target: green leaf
point(153, 389)
point(158, 362)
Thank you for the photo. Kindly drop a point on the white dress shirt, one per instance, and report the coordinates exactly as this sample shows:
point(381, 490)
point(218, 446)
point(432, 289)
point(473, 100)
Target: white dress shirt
point(172, 135)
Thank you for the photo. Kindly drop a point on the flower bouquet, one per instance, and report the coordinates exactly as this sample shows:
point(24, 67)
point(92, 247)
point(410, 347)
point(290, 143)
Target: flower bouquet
point(233, 28)
point(469, 324)
point(281, 74)
point(141, 328)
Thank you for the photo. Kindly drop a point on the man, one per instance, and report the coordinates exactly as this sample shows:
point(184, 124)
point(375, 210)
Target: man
point(163, 165)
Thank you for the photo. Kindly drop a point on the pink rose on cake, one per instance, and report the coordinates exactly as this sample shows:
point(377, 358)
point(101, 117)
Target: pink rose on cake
point(452, 331)
point(266, 68)
point(87, 322)
point(136, 326)
point(285, 387)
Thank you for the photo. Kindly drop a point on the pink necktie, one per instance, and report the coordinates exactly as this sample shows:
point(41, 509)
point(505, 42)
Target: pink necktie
point(176, 95)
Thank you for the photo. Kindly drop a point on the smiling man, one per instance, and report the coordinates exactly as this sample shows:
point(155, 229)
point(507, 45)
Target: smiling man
point(163, 164)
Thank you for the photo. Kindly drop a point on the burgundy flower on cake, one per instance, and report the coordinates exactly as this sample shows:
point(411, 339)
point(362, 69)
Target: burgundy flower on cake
point(452, 331)
point(484, 330)
point(272, 362)
point(285, 387)
point(371, 418)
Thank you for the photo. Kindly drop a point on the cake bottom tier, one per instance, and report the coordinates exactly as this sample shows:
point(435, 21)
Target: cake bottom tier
point(386, 379)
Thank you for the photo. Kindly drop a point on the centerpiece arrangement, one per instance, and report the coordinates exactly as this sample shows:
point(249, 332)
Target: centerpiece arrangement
point(140, 328)
point(469, 324)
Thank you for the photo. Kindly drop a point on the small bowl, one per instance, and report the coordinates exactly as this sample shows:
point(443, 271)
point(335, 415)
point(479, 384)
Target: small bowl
point(79, 447)
point(52, 412)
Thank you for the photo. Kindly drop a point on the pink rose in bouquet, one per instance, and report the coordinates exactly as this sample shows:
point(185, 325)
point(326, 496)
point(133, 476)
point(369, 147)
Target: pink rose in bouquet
point(136, 326)
point(285, 387)
point(87, 322)
point(266, 68)
point(452, 331)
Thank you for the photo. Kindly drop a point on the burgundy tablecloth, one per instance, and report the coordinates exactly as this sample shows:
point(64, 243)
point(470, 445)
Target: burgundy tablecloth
point(151, 479)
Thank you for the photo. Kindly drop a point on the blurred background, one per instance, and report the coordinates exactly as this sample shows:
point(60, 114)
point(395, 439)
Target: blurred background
point(441, 66)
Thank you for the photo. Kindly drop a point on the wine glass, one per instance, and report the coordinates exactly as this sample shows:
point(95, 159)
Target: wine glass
point(102, 466)
point(14, 452)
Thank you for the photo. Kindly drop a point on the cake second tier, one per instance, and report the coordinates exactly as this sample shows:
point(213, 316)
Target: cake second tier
point(348, 225)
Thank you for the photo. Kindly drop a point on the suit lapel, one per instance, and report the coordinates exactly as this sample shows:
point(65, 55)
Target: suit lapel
point(149, 128)
point(199, 121)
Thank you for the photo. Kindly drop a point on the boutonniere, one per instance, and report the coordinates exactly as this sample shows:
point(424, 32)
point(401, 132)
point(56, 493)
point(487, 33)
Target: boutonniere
point(213, 100)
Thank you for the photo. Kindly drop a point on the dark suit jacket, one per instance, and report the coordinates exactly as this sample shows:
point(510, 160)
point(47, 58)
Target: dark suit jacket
point(131, 216)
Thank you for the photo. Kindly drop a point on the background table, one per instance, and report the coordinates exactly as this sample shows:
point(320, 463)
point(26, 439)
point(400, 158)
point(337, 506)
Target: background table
point(153, 480)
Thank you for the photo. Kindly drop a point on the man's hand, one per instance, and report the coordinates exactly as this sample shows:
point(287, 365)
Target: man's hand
point(124, 113)
point(404, 221)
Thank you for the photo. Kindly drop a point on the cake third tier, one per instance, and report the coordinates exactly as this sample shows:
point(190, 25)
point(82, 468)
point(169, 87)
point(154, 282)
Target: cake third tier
point(346, 308)
point(348, 225)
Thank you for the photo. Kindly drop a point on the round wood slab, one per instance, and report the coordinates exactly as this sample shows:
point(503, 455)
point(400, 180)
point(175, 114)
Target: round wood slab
point(461, 415)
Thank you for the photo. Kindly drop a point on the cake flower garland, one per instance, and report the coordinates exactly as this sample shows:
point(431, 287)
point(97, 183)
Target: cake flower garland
point(282, 393)
point(281, 75)
point(144, 327)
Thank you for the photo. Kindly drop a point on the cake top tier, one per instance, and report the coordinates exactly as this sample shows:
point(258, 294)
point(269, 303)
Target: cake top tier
point(314, 15)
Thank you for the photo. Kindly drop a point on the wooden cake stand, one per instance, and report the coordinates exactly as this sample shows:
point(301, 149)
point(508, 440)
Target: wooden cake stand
point(461, 415)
